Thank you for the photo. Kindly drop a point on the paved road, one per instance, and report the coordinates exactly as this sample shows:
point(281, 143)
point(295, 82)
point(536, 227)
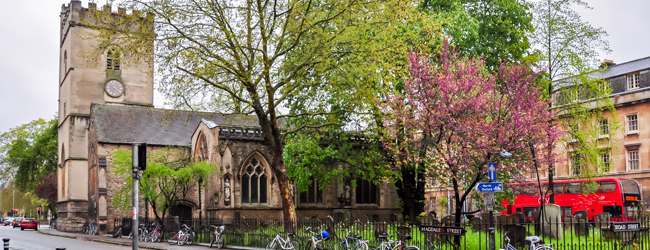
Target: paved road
point(32, 240)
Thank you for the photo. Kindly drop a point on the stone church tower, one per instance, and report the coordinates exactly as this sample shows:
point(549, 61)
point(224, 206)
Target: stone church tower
point(86, 77)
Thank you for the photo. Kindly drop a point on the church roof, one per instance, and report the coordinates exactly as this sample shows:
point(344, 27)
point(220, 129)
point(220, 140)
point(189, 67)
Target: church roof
point(135, 124)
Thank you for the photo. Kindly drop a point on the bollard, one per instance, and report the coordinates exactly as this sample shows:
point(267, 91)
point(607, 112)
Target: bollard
point(60, 248)
point(6, 240)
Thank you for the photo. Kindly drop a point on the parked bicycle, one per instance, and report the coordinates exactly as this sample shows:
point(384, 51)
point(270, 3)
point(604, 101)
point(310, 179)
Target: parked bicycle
point(155, 234)
point(90, 227)
point(316, 242)
point(278, 243)
point(357, 243)
point(53, 223)
point(534, 243)
point(396, 244)
point(184, 236)
point(217, 238)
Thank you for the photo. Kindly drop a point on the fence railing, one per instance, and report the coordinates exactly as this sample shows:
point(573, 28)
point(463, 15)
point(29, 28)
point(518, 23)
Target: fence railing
point(568, 234)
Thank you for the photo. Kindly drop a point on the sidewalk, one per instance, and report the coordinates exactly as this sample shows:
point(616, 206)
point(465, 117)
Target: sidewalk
point(123, 241)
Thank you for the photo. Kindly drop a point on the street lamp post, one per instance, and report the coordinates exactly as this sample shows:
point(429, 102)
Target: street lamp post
point(506, 155)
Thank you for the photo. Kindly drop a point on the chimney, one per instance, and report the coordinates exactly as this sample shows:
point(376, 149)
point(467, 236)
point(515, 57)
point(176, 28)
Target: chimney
point(609, 62)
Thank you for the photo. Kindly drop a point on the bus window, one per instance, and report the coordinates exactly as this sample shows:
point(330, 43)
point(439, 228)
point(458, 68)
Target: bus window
point(590, 187)
point(629, 187)
point(528, 211)
point(567, 211)
point(607, 187)
point(573, 188)
point(615, 211)
point(518, 210)
point(558, 188)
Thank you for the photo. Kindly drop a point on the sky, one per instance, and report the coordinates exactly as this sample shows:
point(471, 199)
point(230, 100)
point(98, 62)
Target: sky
point(29, 50)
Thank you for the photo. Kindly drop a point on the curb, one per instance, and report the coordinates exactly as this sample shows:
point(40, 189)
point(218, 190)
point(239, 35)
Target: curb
point(58, 235)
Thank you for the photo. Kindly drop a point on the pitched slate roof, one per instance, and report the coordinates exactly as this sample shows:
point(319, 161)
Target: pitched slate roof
point(627, 67)
point(134, 124)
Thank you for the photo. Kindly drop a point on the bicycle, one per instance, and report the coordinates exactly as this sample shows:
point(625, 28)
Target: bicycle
point(316, 243)
point(344, 244)
point(278, 243)
point(156, 234)
point(534, 243)
point(143, 233)
point(117, 233)
point(184, 236)
point(396, 244)
point(217, 239)
point(53, 224)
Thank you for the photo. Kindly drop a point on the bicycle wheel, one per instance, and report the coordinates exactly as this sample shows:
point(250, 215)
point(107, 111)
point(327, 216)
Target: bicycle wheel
point(190, 238)
point(219, 242)
point(172, 238)
point(412, 248)
point(365, 247)
point(117, 233)
point(295, 245)
point(273, 245)
point(211, 241)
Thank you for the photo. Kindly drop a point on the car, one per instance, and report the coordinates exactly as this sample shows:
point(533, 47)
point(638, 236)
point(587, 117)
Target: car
point(16, 222)
point(7, 221)
point(29, 223)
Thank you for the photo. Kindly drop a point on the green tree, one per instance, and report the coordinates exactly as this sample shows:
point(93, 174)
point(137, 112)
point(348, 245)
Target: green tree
point(568, 50)
point(30, 151)
point(251, 56)
point(495, 30)
point(169, 178)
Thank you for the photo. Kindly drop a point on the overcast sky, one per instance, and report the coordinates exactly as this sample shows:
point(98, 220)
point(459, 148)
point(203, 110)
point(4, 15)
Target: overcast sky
point(29, 50)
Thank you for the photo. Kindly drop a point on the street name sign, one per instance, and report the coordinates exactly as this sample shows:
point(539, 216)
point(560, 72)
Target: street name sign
point(442, 230)
point(626, 226)
point(484, 187)
point(492, 171)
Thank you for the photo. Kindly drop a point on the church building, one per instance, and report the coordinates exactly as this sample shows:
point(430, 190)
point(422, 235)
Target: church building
point(105, 104)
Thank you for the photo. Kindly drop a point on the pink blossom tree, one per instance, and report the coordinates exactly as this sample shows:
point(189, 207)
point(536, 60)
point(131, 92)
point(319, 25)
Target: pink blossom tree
point(454, 116)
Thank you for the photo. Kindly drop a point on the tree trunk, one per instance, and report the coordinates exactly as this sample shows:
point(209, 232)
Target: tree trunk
point(410, 189)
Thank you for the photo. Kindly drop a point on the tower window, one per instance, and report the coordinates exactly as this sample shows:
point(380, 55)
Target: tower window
point(113, 60)
point(65, 61)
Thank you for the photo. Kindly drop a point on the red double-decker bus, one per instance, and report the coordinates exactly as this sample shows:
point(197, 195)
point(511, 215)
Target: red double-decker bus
point(620, 197)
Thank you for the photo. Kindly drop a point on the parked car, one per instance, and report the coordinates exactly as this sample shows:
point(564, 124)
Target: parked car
point(17, 221)
point(7, 221)
point(29, 223)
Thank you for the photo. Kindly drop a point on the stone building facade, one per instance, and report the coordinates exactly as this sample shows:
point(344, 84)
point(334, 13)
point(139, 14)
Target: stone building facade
point(105, 106)
point(630, 155)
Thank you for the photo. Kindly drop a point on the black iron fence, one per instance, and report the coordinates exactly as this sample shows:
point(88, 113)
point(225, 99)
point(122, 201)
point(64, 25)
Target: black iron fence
point(569, 234)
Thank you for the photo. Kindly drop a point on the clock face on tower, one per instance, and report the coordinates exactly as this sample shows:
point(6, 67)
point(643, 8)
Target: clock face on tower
point(114, 88)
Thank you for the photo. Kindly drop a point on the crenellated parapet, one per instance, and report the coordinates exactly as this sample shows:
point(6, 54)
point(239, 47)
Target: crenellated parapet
point(73, 14)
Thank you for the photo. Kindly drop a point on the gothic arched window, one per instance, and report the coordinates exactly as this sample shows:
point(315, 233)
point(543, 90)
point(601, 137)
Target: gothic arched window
point(253, 182)
point(113, 59)
point(201, 148)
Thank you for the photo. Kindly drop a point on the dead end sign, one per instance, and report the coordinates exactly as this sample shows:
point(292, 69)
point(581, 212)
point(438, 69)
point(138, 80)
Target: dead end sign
point(443, 230)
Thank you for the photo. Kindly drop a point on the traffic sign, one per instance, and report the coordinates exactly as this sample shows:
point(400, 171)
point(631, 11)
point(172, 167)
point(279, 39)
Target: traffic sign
point(484, 187)
point(492, 171)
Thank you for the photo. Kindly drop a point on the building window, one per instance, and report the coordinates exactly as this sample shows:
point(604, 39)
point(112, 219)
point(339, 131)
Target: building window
point(113, 60)
point(65, 62)
point(201, 148)
point(366, 192)
point(604, 162)
point(575, 130)
point(603, 127)
point(574, 165)
point(633, 159)
point(632, 122)
point(633, 81)
point(253, 183)
point(313, 194)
